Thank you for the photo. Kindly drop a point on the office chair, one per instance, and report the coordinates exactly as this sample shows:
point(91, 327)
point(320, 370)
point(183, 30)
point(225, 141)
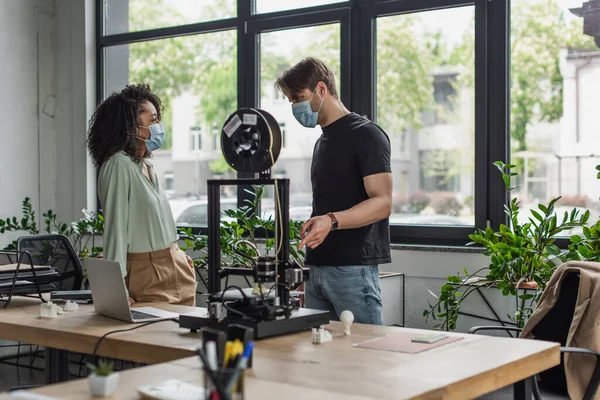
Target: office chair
point(55, 251)
point(554, 327)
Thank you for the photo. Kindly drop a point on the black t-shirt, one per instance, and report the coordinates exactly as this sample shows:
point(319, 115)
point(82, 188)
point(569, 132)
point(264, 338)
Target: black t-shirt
point(349, 149)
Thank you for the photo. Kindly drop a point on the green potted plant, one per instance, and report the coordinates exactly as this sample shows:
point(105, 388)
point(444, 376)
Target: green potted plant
point(27, 223)
point(239, 237)
point(103, 381)
point(80, 232)
point(586, 247)
point(85, 231)
point(521, 256)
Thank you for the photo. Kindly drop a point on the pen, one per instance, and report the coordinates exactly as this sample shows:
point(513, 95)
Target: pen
point(211, 354)
point(211, 375)
point(241, 365)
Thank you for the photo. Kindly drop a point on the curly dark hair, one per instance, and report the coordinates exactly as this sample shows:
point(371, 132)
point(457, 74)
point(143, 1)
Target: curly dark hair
point(114, 125)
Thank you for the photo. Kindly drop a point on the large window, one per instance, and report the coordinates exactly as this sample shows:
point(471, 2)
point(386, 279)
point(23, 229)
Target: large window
point(139, 15)
point(195, 77)
point(279, 50)
point(425, 102)
point(555, 89)
point(432, 73)
point(265, 6)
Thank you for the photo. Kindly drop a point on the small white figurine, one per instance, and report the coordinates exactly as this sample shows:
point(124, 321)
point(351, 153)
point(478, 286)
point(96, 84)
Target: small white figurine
point(320, 335)
point(346, 318)
point(71, 306)
point(48, 310)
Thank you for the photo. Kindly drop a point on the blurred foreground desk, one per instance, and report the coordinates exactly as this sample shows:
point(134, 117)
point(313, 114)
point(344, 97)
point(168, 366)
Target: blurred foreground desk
point(79, 331)
point(291, 367)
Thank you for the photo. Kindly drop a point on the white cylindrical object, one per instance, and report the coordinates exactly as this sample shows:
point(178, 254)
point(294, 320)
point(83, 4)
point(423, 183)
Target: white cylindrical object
point(346, 318)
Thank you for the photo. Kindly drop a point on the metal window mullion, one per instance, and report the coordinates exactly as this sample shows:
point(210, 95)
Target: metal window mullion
point(169, 32)
point(482, 162)
point(498, 86)
point(247, 72)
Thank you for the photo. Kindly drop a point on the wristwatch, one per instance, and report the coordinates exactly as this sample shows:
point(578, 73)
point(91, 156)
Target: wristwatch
point(334, 221)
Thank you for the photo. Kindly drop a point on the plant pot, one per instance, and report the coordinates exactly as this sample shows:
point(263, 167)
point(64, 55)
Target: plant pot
point(488, 306)
point(103, 386)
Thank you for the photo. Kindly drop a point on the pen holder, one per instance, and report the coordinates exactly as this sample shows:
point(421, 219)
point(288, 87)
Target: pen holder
point(217, 336)
point(231, 381)
point(244, 334)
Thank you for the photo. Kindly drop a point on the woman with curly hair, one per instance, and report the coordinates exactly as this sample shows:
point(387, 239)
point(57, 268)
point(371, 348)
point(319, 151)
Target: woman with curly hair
point(139, 229)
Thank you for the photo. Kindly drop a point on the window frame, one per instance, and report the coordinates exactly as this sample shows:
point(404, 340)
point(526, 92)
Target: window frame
point(446, 235)
point(357, 19)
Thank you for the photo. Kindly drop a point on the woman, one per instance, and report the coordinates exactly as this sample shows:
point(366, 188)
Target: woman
point(139, 230)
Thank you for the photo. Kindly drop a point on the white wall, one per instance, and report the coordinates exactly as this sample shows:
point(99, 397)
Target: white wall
point(426, 270)
point(45, 102)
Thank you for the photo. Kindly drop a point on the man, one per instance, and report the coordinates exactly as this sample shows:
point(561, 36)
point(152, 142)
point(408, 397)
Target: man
point(348, 233)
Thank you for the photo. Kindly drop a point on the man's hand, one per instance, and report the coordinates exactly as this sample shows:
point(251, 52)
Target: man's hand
point(131, 301)
point(318, 228)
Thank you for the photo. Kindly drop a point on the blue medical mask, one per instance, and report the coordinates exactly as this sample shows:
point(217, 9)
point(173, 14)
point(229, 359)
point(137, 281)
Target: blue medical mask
point(304, 114)
point(157, 136)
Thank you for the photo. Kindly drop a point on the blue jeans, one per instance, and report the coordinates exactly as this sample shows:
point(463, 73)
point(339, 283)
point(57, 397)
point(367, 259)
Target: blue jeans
point(354, 288)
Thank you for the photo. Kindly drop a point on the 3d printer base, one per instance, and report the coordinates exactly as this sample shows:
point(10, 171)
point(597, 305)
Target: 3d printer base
point(301, 319)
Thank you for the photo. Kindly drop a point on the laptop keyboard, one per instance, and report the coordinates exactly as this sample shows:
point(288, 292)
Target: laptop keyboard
point(140, 315)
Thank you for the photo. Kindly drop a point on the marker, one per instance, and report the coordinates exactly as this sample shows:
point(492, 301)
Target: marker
point(242, 364)
point(228, 352)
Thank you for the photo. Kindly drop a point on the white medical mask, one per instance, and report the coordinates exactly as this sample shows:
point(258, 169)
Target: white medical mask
point(304, 114)
point(157, 136)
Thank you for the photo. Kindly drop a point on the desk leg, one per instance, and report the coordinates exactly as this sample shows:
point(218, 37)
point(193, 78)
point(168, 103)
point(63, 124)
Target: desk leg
point(57, 365)
point(522, 390)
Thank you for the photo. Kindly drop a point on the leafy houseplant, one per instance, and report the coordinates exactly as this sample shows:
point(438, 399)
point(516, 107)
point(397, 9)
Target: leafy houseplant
point(27, 223)
point(239, 236)
point(586, 248)
point(80, 232)
point(85, 230)
point(103, 381)
point(520, 256)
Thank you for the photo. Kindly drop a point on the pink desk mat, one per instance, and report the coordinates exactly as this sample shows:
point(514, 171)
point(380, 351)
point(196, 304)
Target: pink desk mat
point(401, 342)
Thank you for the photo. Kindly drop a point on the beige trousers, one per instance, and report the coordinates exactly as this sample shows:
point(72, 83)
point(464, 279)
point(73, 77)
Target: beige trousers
point(162, 276)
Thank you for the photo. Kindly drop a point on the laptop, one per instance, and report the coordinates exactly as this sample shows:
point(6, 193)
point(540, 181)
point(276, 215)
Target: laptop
point(110, 297)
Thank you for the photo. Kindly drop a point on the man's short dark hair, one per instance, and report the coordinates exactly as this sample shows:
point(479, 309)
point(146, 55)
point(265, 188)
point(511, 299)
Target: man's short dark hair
point(305, 75)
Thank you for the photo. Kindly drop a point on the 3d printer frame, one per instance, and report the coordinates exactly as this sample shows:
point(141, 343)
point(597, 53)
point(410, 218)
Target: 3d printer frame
point(282, 222)
point(288, 318)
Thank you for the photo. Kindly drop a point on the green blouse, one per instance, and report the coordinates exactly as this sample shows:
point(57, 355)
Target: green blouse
point(137, 214)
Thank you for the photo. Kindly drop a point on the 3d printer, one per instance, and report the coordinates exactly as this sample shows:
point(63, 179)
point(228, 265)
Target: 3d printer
point(251, 143)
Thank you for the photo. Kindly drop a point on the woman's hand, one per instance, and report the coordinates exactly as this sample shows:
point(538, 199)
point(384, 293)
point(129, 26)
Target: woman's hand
point(190, 261)
point(131, 301)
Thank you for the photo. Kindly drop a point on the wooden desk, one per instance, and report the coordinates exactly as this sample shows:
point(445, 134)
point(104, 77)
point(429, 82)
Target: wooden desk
point(292, 367)
point(78, 331)
point(188, 370)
